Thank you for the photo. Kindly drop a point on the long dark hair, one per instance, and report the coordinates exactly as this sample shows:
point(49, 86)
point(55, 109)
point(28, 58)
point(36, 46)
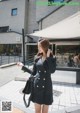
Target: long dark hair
point(45, 45)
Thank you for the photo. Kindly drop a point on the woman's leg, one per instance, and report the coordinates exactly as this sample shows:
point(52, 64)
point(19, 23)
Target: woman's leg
point(37, 108)
point(45, 108)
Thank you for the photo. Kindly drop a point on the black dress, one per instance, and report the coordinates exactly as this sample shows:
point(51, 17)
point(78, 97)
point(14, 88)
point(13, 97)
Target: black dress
point(42, 92)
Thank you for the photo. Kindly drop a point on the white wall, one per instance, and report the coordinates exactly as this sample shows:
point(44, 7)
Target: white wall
point(16, 23)
point(10, 38)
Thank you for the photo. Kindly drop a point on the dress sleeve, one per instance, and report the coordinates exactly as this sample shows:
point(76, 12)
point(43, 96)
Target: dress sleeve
point(51, 63)
point(33, 71)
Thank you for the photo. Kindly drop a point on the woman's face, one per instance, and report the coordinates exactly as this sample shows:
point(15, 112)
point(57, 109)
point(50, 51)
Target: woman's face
point(40, 49)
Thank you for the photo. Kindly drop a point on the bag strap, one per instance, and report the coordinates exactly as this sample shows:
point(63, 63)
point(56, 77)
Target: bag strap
point(26, 104)
point(29, 99)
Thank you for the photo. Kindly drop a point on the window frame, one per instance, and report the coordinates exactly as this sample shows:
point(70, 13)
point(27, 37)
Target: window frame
point(4, 29)
point(12, 12)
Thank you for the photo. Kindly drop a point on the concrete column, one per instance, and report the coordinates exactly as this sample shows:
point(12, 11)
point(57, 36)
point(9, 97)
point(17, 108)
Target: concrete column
point(54, 49)
point(78, 77)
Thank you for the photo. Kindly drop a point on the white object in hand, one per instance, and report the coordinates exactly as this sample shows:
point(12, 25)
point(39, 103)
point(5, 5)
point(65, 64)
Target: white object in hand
point(20, 64)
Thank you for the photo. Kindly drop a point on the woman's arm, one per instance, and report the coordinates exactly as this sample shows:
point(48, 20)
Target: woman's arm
point(51, 60)
point(51, 63)
point(33, 71)
point(25, 69)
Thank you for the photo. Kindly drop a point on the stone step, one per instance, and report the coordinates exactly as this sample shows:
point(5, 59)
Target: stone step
point(8, 65)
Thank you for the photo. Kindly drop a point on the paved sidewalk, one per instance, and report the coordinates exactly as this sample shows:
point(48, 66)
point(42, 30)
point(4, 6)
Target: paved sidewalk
point(15, 110)
point(66, 96)
point(9, 73)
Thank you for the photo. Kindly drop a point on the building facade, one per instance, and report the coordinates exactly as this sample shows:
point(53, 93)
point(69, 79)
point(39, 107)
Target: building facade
point(16, 15)
point(48, 15)
point(34, 15)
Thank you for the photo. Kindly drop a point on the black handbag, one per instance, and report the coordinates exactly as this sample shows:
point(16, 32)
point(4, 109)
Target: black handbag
point(28, 89)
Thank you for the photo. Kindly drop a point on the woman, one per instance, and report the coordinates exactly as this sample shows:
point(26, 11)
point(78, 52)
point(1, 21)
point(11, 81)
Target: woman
point(44, 65)
point(76, 60)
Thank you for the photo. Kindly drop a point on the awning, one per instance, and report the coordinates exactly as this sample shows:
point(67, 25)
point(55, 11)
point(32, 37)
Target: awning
point(65, 29)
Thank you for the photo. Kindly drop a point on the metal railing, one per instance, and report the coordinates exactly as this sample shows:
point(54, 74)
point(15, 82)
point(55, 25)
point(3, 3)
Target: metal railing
point(12, 59)
point(9, 59)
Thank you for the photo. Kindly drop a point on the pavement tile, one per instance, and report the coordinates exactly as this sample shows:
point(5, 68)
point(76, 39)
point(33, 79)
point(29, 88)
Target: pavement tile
point(15, 110)
point(65, 95)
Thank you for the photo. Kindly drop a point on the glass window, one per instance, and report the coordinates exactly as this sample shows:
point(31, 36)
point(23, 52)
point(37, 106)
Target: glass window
point(10, 49)
point(14, 12)
point(68, 55)
point(4, 29)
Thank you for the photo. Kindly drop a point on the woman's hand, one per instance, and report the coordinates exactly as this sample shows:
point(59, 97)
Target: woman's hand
point(49, 52)
point(20, 64)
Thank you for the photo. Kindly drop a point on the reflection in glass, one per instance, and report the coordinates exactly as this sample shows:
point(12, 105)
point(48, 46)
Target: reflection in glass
point(68, 55)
